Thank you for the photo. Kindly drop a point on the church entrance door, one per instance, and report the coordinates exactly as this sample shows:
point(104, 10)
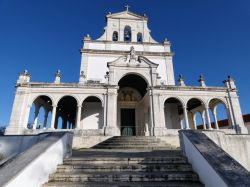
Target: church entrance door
point(128, 122)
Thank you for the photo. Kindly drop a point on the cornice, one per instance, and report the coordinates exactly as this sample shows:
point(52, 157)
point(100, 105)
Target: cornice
point(105, 86)
point(126, 43)
point(115, 52)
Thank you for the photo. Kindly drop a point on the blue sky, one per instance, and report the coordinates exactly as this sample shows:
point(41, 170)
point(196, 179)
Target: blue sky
point(209, 37)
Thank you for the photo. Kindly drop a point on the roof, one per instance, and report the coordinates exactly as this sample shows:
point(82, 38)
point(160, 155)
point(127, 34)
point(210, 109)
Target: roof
point(224, 122)
point(126, 15)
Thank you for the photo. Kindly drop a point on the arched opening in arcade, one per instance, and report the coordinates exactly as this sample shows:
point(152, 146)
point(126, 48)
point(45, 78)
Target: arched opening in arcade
point(92, 116)
point(40, 113)
point(133, 106)
point(194, 107)
point(220, 115)
point(173, 112)
point(66, 113)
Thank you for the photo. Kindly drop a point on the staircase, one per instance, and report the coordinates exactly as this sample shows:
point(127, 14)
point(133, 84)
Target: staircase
point(123, 162)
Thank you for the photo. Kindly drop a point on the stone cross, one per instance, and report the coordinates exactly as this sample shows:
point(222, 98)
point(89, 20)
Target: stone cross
point(127, 7)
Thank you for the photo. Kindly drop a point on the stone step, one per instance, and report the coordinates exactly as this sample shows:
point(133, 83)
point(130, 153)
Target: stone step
point(133, 147)
point(124, 167)
point(132, 140)
point(125, 184)
point(135, 144)
point(124, 177)
point(137, 160)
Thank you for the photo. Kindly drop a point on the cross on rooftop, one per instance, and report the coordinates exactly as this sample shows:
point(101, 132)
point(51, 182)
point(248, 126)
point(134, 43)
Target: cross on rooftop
point(127, 7)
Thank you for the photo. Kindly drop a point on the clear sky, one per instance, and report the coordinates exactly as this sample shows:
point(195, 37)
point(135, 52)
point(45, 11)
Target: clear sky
point(210, 37)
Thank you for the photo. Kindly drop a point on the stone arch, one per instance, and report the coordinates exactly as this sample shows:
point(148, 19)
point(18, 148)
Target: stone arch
point(40, 103)
point(223, 120)
point(193, 105)
point(132, 117)
point(68, 95)
point(219, 100)
point(143, 76)
point(92, 114)
point(32, 100)
point(93, 95)
point(67, 108)
point(181, 100)
point(197, 98)
point(173, 112)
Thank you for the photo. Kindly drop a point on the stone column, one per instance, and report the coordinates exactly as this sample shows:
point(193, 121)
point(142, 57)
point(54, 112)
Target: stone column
point(111, 128)
point(203, 120)
point(64, 123)
point(78, 116)
point(36, 116)
point(45, 119)
point(186, 117)
point(194, 121)
point(151, 112)
point(215, 118)
point(181, 123)
point(208, 118)
point(53, 117)
point(105, 111)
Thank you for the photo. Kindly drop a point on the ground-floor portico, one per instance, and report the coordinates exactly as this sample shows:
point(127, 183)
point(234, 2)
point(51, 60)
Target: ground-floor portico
point(131, 108)
point(132, 101)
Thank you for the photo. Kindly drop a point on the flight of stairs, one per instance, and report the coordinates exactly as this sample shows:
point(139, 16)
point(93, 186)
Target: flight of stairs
point(124, 162)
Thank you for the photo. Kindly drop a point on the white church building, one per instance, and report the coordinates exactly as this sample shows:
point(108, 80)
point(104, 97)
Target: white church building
point(126, 87)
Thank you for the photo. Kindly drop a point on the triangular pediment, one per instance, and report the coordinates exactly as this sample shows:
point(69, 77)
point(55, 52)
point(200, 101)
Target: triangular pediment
point(126, 15)
point(127, 61)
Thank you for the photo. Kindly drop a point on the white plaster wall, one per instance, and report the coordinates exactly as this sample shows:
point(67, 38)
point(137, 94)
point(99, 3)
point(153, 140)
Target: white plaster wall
point(237, 146)
point(92, 115)
point(97, 67)
point(171, 116)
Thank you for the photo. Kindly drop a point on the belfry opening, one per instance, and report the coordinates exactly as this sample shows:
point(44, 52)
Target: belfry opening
point(132, 105)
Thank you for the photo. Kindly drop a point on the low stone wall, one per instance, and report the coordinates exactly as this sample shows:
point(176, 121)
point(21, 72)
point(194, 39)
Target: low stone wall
point(236, 145)
point(11, 145)
point(33, 167)
point(213, 165)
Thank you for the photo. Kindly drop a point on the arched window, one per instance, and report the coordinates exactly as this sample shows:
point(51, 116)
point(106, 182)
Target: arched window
point(139, 37)
point(127, 34)
point(115, 36)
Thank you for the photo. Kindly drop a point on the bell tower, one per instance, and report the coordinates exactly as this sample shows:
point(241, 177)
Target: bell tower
point(123, 31)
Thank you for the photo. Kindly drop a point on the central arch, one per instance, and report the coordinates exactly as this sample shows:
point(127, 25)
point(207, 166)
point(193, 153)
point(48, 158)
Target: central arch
point(132, 105)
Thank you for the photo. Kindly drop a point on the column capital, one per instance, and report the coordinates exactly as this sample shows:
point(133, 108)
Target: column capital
point(54, 106)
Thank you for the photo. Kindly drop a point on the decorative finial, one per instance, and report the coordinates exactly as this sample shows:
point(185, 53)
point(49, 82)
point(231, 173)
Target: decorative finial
point(82, 78)
point(58, 73)
point(166, 41)
point(57, 77)
point(23, 77)
point(87, 37)
point(202, 81)
point(25, 72)
point(230, 83)
point(127, 7)
point(181, 81)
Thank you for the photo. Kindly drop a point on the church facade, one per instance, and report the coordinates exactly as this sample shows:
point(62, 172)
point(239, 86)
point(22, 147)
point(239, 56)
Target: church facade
point(126, 87)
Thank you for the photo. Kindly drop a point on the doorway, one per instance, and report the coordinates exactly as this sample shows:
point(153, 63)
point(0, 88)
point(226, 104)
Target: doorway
point(128, 122)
